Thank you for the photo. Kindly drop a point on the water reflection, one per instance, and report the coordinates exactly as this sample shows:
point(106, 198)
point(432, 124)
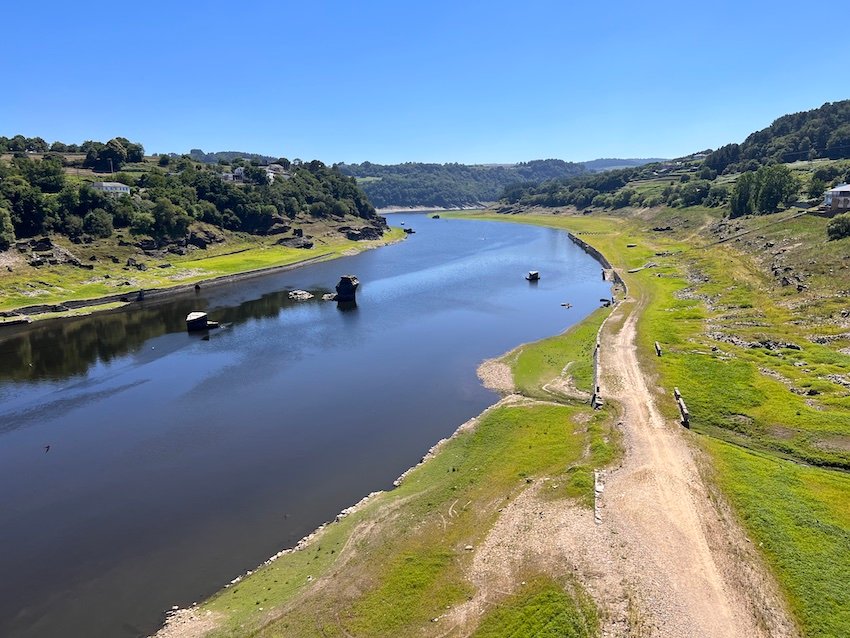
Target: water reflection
point(179, 460)
point(62, 349)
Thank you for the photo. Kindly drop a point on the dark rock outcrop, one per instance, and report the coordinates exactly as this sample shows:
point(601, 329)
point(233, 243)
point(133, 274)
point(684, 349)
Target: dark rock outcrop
point(147, 244)
point(279, 229)
point(346, 289)
point(203, 238)
point(364, 234)
point(295, 242)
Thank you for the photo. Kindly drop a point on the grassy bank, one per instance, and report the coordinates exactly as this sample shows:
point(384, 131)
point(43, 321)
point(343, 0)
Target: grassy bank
point(24, 285)
point(761, 367)
point(398, 564)
point(402, 560)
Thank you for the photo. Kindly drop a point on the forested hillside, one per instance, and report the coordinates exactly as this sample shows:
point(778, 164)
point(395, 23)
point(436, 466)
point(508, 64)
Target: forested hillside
point(795, 158)
point(225, 157)
point(820, 133)
point(449, 185)
point(53, 192)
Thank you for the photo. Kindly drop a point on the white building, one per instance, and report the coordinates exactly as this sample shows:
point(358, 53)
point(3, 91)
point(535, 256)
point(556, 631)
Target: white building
point(838, 198)
point(111, 188)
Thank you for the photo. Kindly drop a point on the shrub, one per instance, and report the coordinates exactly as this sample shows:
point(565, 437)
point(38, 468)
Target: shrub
point(98, 223)
point(839, 226)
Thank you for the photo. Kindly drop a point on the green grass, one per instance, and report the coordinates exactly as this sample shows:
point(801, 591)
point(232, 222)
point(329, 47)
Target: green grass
point(26, 285)
point(394, 580)
point(536, 364)
point(748, 401)
point(799, 517)
point(542, 609)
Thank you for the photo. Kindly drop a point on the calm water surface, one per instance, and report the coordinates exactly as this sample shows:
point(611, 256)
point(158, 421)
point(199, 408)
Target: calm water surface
point(177, 463)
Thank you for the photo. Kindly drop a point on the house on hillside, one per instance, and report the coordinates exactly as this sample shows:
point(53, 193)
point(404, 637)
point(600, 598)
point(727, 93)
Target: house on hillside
point(111, 188)
point(276, 171)
point(837, 200)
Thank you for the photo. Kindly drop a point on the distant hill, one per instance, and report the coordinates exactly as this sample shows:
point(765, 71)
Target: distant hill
point(820, 133)
point(612, 163)
point(450, 185)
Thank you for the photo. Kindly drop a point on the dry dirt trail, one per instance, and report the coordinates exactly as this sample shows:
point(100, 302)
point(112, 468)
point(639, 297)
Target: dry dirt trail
point(666, 559)
point(690, 566)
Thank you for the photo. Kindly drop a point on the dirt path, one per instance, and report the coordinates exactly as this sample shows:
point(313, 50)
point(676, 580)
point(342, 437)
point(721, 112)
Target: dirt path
point(692, 566)
point(667, 558)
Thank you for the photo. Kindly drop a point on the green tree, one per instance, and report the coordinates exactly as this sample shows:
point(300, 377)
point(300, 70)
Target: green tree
point(169, 220)
point(256, 175)
point(717, 196)
point(72, 226)
point(622, 198)
point(18, 144)
point(7, 229)
point(817, 187)
point(25, 205)
point(776, 185)
point(743, 194)
point(135, 152)
point(142, 222)
point(36, 145)
point(98, 223)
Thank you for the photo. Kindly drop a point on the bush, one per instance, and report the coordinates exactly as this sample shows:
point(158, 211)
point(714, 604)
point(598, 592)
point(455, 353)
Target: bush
point(717, 196)
point(98, 223)
point(142, 223)
point(73, 226)
point(839, 226)
point(622, 198)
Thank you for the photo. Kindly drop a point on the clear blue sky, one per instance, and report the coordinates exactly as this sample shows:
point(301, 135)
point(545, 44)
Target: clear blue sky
point(417, 81)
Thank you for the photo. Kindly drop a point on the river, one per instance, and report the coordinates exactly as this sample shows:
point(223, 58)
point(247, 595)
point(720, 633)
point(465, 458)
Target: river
point(176, 463)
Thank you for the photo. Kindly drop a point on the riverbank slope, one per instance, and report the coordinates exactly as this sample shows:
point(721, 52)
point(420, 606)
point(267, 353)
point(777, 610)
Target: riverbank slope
point(763, 368)
point(501, 520)
point(117, 270)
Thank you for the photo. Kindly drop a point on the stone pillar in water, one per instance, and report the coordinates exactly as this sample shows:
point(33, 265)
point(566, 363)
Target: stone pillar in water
point(346, 288)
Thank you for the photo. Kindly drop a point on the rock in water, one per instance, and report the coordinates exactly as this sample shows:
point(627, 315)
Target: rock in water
point(300, 295)
point(346, 288)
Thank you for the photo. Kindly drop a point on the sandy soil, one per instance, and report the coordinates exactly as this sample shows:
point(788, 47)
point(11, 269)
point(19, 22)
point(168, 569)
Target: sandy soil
point(496, 376)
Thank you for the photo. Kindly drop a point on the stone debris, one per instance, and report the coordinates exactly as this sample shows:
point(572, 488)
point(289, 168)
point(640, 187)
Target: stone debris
point(300, 295)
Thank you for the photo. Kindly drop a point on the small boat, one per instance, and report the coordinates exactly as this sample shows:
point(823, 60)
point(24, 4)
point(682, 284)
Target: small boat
point(567, 305)
point(409, 231)
point(533, 275)
point(435, 217)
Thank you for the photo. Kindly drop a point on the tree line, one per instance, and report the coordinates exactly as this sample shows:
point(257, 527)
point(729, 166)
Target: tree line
point(449, 185)
point(36, 196)
point(819, 133)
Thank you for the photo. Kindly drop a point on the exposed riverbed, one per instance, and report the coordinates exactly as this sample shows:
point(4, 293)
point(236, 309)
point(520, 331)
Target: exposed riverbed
point(176, 463)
